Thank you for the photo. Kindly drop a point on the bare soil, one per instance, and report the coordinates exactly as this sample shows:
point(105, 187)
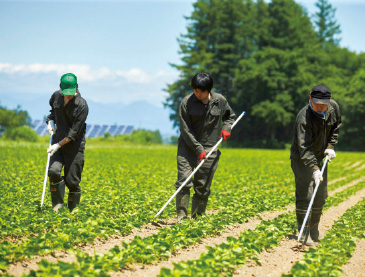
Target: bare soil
point(281, 258)
point(196, 250)
point(356, 265)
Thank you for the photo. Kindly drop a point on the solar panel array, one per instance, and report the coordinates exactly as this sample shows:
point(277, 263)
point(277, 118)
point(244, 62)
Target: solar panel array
point(92, 130)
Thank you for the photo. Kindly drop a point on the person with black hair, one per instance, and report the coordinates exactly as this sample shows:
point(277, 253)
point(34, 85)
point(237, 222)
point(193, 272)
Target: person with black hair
point(204, 117)
point(67, 123)
point(315, 136)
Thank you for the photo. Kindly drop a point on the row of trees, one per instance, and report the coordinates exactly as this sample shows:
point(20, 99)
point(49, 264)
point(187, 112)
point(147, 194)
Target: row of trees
point(265, 58)
point(140, 136)
point(13, 118)
point(14, 124)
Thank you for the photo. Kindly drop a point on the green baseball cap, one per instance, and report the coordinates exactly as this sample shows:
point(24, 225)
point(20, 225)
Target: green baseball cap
point(68, 84)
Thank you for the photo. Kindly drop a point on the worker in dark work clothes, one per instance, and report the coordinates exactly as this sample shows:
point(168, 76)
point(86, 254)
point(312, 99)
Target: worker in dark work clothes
point(67, 122)
point(315, 135)
point(204, 117)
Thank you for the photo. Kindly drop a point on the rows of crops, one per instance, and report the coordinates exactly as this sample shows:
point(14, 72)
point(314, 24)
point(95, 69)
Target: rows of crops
point(124, 187)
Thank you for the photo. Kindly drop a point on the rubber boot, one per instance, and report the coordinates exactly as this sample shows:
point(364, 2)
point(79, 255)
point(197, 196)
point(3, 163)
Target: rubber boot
point(198, 206)
point(57, 195)
point(305, 239)
point(73, 200)
point(315, 218)
point(182, 205)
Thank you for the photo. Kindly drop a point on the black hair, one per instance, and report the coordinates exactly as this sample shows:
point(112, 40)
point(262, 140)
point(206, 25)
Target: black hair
point(202, 81)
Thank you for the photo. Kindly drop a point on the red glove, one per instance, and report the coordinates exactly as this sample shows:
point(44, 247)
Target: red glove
point(202, 155)
point(225, 134)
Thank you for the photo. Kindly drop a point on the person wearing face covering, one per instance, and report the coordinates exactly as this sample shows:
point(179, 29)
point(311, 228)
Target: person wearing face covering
point(315, 136)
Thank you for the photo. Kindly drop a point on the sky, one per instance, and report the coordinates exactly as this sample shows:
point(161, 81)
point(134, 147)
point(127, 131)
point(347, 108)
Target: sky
point(120, 50)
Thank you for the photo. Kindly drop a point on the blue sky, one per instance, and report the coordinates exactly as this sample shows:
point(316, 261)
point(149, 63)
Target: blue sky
point(120, 50)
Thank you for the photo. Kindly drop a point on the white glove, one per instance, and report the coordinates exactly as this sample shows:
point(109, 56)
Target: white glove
point(51, 127)
point(317, 176)
point(331, 153)
point(53, 148)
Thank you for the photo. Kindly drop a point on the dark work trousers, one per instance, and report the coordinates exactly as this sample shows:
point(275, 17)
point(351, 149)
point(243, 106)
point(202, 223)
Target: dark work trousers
point(187, 161)
point(304, 187)
point(72, 159)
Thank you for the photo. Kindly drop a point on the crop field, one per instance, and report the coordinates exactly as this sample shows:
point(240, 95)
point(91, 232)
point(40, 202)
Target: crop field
point(249, 228)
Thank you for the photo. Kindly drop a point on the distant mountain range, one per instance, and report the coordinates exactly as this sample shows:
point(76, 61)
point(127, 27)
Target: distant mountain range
point(140, 114)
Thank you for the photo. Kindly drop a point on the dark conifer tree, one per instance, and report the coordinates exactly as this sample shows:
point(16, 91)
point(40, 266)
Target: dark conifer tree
point(325, 23)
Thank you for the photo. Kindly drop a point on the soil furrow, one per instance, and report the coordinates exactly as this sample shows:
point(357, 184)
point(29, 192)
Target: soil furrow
point(102, 246)
point(281, 259)
point(196, 250)
point(285, 247)
point(356, 164)
point(356, 265)
point(353, 183)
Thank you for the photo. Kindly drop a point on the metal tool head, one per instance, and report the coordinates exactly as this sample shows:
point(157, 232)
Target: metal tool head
point(161, 223)
point(154, 223)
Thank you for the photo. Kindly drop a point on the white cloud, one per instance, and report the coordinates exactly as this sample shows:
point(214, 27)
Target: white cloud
point(100, 84)
point(85, 73)
point(135, 75)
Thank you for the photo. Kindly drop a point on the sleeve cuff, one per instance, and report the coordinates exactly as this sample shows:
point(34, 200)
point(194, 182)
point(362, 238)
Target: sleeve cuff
point(199, 150)
point(72, 135)
point(227, 128)
point(315, 168)
point(330, 146)
point(48, 119)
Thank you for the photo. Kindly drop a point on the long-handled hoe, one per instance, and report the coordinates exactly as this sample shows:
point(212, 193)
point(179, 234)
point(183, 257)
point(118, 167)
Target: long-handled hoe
point(191, 175)
point(45, 175)
point(311, 202)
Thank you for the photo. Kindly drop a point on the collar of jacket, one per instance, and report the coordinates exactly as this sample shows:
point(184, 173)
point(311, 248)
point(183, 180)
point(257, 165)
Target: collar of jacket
point(213, 97)
point(319, 115)
point(326, 113)
point(329, 109)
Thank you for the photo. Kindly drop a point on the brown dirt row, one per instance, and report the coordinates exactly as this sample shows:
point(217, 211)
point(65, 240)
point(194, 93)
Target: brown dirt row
point(119, 237)
point(356, 164)
point(280, 260)
point(102, 246)
point(356, 265)
point(285, 249)
point(353, 183)
point(336, 180)
point(361, 168)
point(194, 251)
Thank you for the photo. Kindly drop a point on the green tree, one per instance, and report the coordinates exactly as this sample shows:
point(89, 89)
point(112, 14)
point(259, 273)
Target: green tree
point(13, 118)
point(353, 103)
point(21, 133)
point(326, 25)
point(274, 83)
point(265, 58)
point(219, 34)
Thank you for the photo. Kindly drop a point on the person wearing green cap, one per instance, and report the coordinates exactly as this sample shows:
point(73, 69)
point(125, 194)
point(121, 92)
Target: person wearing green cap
point(67, 123)
point(315, 136)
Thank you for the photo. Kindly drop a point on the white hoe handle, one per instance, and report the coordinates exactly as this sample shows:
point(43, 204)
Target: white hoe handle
point(311, 202)
point(196, 169)
point(45, 175)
